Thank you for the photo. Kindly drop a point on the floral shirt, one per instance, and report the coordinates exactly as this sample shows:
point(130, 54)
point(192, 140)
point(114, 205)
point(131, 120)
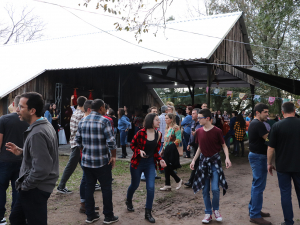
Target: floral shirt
point(172, 135)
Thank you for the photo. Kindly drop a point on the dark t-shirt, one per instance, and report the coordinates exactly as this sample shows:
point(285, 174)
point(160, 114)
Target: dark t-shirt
point(12, 129)
point(256, 131)
point(285, 138)
point(209, 141)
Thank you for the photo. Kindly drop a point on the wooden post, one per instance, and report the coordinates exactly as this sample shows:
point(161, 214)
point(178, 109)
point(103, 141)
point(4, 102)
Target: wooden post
point(209, 70)
point(252, 88)
point(119, 90)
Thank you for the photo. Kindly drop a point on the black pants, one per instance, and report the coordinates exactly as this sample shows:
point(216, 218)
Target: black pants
point(169, 171)
point(31, 206)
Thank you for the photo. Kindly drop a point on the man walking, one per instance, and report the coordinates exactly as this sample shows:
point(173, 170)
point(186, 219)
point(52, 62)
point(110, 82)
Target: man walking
point(11, 130)
point(96, 137)
point(284, 140)
point(192, 145)
point(162, 125)
point(39, 170)
point(75, 154)
point(231, 132)
point(258, 161)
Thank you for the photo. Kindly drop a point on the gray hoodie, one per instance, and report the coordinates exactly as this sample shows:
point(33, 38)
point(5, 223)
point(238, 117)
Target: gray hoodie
point(39, 167)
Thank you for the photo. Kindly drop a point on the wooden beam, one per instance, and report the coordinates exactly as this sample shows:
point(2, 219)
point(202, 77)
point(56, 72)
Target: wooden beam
point(148, 72)
point(187, 73)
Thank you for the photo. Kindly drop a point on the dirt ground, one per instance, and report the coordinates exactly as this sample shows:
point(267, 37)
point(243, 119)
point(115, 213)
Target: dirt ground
point(175, 207)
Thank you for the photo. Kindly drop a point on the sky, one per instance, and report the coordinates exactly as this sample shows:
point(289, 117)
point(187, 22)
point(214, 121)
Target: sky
point(60, 22)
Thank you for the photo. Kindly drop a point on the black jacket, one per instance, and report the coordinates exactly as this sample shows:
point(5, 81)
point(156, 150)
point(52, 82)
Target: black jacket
point(171, 156)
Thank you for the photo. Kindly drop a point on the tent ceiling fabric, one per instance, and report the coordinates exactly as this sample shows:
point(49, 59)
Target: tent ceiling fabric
point(286, 84)
point(22, 62)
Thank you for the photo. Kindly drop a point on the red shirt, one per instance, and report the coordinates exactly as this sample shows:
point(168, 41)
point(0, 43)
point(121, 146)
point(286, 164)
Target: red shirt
point(138, 143)
point(209, 141)
point(111, 121)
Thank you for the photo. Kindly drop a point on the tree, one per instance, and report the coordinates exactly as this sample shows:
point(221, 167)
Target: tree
point(23, 25)
point(270, 23)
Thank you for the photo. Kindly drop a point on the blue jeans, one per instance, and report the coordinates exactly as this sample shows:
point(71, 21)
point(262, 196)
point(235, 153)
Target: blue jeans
point(104, 176)
point(9, 171)
point(123, 137)
point(185, 143)
point(147, 166)
point(31, 206)
point(237, 147)
point(285, 185)
point(258, 163)
point(214, 180)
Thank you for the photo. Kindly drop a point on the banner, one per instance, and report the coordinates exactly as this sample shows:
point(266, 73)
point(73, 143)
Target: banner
point(285, 100)
point(229, 94)
point(242, 95)
point(216, 91)
point(75, 97)
point(90, 96)
point(256, 98)
point(271, 100)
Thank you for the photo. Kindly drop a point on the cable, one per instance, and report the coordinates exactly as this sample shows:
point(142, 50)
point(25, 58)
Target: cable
point(175, 29)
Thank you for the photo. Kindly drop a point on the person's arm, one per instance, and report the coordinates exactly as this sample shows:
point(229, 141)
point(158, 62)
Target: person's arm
point(11, 147)
point(47, 115)
point(270, 155)
point(177, 136)
point(195, 158)
point(78, 137)
point(227, 160)
point(110, 142)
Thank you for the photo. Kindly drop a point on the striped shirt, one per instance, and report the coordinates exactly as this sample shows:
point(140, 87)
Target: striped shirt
point(75, 119)
point(96, 136)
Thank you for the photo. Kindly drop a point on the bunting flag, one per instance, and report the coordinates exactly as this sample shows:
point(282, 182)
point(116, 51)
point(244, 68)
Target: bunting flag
point(271, 100)
point(285, 100)
point(207, 88)
point(242, 95)
point(90, 96)
point(256, 98)
point(75, 97)
point(229, 94)
point(216, 91)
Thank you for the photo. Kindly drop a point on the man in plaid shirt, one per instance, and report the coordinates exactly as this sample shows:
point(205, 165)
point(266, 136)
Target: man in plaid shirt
point(75, 154)
point(95, 136)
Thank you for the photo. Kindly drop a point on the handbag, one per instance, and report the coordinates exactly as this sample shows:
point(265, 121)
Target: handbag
point(179, 148)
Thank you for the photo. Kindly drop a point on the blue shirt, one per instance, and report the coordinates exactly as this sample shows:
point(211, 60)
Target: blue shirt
point(186, 124)
point(48, 116)
point(95, 135)
point(248, 118)
point(231, 125)
point(124, 123)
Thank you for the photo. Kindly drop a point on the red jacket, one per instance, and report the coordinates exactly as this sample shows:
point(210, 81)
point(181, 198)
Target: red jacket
point(138, 143)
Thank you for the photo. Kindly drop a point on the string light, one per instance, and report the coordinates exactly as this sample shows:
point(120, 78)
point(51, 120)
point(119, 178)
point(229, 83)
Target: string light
point(150, 77)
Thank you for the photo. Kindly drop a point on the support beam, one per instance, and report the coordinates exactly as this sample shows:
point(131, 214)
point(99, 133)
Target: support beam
point(148, 72)
point(252, 88)
point(209, 72)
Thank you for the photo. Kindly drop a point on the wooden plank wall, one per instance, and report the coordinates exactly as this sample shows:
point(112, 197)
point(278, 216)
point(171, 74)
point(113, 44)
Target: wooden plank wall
point(233, 53)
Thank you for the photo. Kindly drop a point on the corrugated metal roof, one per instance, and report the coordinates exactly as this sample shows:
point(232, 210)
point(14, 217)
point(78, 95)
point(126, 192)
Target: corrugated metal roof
point(19, 63)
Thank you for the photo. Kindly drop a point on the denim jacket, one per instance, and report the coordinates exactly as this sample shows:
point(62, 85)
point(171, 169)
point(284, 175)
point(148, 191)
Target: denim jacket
point(124, 123)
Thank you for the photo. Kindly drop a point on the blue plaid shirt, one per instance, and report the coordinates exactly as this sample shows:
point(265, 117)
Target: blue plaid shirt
point(95, 135)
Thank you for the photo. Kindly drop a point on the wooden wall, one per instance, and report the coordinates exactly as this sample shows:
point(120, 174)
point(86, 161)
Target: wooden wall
point(233, 53)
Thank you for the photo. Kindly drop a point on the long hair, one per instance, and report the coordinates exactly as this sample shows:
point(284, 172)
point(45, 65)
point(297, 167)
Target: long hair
point(241, 120)
point(173, 109)
point(173, 117)
point(121, 112)
point(47, 107)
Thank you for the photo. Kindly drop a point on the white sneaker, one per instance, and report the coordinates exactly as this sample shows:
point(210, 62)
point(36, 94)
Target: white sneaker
point(218, 215)
point(207, 218)
point(179, 185)
point(3, 221)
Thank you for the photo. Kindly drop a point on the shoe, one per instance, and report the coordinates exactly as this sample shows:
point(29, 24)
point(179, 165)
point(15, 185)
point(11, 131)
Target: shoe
point(157, 178)
point(263, 214)
point(122, 157)
point(188, 184)
point(129, 205)
point(218, 215)
point(260, 221)
point(97, 187)
point(143, 179)
point(112, 219)
point(165, 188)
point(283, 223)
point(207, 218)
point(92, 219)
point(64, 191)
point(148, 216)
point(82, 208)
point(179, 185)
point(3, 221)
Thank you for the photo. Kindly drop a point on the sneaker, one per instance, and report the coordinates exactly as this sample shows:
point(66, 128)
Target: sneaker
point(218, 215)
point(207, 218)
point(64, 191)
point(97, 187)
point(3, 221)
point(93, 218)
point(109, 220)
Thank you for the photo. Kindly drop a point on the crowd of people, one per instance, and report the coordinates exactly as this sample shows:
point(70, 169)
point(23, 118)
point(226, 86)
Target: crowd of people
point(158, 142)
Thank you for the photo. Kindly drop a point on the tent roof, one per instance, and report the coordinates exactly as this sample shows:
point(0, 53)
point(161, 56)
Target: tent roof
point(23, 62)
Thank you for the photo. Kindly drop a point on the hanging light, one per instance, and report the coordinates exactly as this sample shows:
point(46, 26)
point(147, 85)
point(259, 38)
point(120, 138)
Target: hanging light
point(175, 83)
point(150, 77)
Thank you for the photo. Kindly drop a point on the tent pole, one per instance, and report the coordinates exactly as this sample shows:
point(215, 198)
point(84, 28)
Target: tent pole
point(252, 99)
